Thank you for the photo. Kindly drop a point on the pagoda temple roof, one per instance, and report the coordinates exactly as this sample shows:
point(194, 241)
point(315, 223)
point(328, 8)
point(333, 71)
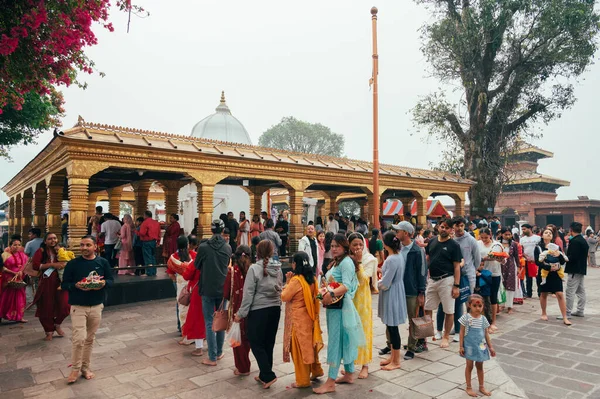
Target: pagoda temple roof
point(530, 151)
point(520, 177)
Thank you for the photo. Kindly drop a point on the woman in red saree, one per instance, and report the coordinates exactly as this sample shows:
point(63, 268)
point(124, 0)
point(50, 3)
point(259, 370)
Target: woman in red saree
point(52, 304)
point(256, 227)
point(12, 300)
point(233, 291)
point(193, 328)
point(172, 232)
point(243, 237)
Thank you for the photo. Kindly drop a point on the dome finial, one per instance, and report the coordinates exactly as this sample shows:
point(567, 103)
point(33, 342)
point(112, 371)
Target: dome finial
point(223, 97)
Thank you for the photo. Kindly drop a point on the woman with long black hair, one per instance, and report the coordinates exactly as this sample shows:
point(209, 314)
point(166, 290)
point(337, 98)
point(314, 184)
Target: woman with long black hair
point(344, 328)
point(302, 334)
point(261, 304)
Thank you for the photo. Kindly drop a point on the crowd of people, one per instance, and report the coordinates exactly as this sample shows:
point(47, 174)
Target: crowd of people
point(233, 281)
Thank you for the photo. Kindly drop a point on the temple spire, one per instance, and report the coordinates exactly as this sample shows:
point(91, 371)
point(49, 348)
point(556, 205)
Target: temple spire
point(222, 107)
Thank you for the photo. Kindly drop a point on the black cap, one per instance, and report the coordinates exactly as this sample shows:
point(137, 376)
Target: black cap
point(217, 226)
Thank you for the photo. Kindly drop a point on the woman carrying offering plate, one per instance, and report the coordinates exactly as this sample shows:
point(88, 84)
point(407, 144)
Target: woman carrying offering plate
point(85, 279)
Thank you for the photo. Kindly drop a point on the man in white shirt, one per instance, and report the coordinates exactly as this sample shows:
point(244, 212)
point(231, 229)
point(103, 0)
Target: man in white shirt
point(529, 241)
point(109, 230)
point(308, 244)
point(332, 225)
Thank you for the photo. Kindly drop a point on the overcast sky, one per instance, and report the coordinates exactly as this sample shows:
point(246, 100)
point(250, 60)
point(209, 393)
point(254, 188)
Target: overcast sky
point(309, 59)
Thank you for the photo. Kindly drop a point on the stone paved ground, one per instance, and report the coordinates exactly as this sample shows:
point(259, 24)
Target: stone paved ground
point(137, 356)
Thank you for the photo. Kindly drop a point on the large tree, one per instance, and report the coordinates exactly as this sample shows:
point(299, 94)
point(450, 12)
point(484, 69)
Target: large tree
point(295, 135)
point(513, 62)
point(42, 45)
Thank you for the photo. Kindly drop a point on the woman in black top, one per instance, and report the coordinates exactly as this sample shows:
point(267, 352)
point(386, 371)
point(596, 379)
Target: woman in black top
point(553, 283)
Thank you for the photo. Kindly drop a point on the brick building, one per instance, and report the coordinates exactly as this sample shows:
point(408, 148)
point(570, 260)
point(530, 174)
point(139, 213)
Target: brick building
point(531, 196)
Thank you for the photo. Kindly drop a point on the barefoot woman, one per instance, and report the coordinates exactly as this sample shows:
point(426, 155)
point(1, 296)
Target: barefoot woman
point(52, 303)
point(345, 333)
point(12, 299)
point(392, 297)
point(553, 282)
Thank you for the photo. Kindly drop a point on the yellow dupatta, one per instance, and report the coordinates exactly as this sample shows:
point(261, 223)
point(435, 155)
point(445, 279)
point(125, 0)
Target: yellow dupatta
point(312, 307)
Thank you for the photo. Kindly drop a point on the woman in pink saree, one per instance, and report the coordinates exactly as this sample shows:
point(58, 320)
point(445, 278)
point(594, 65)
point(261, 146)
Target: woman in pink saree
point(126, 257)
point(12, 300)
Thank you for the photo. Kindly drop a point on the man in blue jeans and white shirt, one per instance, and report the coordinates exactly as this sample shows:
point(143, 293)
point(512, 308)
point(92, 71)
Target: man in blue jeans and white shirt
point(212, 261)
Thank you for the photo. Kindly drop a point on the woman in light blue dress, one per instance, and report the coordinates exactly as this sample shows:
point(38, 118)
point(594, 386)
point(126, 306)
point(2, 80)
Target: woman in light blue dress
point(344, 329)
point(392, 297)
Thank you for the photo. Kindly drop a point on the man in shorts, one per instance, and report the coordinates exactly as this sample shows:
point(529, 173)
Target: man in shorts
point(444, 257)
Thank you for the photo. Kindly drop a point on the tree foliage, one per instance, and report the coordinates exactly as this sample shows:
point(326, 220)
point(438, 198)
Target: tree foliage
point(42, 45)
point(38, 113)
point(294, 135)
point(514, 62)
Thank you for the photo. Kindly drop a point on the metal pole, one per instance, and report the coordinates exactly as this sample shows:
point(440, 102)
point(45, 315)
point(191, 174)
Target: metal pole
point(376, 205)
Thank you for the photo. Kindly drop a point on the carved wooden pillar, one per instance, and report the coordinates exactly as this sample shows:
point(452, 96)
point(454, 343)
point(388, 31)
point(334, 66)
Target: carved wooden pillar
point(459, 204)
point(11, 216)
point(296, 190)
point(255, 195)
point(205, 209)
point(421, 198)
point(330, 205)
point(406, 206)
point(114, 200)
point(205, 183)
point(27, 210)
point(54, 198)
point(18, 217)
point(364, 209)
point(171, 190)
point(92, 199)
point(141, 192)
point(78, 208)
point(39, 206)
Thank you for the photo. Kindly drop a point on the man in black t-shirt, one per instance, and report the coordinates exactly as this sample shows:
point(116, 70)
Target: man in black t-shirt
point(86, 305)
point(444, 257)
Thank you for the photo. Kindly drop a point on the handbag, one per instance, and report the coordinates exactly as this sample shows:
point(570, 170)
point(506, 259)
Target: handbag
point(464, 290)
point(337, 303)
point(421, 327)
point(220, 319)
point(185, 296)
point(118, 244)
point(29, 270)
point(230, 307)
point(16, 282)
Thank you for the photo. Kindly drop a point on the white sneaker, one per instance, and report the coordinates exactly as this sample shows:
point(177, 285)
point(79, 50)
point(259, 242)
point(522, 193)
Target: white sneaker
point(456, 338)
point(438, 335)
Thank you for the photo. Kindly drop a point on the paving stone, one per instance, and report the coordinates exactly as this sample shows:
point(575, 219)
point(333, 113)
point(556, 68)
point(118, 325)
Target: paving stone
point(437, 368)
point(515, 371)
point(572, 385)
point(47, 376)
point(412, 379)
point(571, 373)
point(544, 390)
point(16, 379)
point(434, 388)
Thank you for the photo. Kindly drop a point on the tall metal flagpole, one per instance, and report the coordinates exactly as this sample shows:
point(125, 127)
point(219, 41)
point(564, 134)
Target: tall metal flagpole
point(376, 205)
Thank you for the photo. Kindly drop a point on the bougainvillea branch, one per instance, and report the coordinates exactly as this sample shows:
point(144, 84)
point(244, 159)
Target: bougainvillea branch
point(42, 43)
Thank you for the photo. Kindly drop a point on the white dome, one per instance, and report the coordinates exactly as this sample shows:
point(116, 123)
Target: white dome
point(221, 126)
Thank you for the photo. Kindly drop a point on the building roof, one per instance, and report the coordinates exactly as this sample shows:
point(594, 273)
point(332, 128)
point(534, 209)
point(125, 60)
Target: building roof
point(519, 177)
point(222, 126)
point(524, 148)
point(110, 134)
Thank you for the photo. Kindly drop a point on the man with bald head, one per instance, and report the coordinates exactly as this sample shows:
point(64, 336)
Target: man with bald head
point(308, 244)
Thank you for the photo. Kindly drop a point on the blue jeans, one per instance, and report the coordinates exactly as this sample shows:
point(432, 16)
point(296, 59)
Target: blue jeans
point(109, 253)
point(148, 250)
point(213, 339)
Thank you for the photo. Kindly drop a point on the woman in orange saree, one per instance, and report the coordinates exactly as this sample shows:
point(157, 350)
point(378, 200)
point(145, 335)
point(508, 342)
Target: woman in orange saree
point(302, 335)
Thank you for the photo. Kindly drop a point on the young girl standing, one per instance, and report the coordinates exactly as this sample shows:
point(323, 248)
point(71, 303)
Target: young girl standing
point(475, 342)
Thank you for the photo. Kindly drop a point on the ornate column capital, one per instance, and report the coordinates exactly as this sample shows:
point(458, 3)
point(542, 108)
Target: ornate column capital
point(85, 169)
point(208, 178)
